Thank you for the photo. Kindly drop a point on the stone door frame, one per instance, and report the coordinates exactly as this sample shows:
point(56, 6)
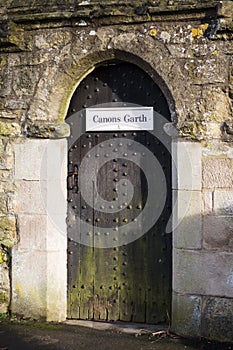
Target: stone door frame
point(39, 260)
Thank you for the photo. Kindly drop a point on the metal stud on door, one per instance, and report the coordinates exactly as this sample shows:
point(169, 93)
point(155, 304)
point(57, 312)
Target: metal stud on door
point(131, 282)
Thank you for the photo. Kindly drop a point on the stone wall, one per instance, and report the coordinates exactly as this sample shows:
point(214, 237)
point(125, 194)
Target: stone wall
point(202, 280)
point(45, 51)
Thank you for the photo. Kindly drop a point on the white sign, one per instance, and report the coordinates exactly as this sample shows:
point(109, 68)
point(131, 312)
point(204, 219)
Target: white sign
point(123, 118)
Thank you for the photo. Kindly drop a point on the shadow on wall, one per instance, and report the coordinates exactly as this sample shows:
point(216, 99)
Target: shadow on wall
point(203, 274)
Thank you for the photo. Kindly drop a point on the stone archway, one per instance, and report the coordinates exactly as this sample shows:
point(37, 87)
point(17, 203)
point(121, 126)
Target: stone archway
point(41, 251)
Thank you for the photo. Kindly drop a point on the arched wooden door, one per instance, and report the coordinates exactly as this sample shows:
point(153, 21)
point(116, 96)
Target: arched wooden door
point(131, 282)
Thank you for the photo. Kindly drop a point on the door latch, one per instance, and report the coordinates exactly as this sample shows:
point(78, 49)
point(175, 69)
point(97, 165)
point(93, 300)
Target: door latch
point(72, 179)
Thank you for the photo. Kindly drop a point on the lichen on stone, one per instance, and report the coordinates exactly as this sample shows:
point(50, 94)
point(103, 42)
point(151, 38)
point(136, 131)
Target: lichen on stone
point(8, 231)
point(198, 32)
point(194, 130)
point(3, 255)
point(42, 130)
point(9, 129)
point(153, 32)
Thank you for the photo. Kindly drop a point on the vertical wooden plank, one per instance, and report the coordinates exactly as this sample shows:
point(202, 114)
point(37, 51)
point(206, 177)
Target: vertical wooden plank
point(133, 255)
point(105, 284)
point(126, 288)
point(73, 233)
point(139, 253)
point(87, 270)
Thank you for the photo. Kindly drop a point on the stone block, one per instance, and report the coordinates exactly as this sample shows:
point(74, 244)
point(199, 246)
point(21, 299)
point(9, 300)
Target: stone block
point(4, 302)
point(208, 71)
point(187, 230)
point(11, 202)
point(41, 160)
point(203, 272)
point(29, 283)
point(7, 163)
point(207, 202)
point(55, 197)
point(3, 203)
point(5, 175)
point(39, 260)
point(24, 81)
point(187, 165)
point(41, 233)
point(226, 9)
point(214, 104)
point(57, 233)
point(217, 172)
point(28, 159)
point(41, 197)
point(5, 78)
point(32, 232)
point(44, 130)
point(223, 202)
point(213, 130)
point(186, 315)
point(39, 284)
point(57, 285)
point(6, 156)
point(8, 232)
point(217, 321)
point(9, 129)
point(200, 50)
point(31, 197)
point(56, 160)
point(218, 232)
point(4, 288)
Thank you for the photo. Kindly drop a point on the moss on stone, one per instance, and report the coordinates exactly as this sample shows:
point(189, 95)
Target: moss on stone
point(9, 129)
point(13, 36)
point(8, 232)
point(3, 255)
point(54, 131)
point(195, 130)
point(3, 298)
point(2, 61)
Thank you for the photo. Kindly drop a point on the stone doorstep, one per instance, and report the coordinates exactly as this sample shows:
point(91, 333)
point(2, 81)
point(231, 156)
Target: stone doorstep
point(124, 327)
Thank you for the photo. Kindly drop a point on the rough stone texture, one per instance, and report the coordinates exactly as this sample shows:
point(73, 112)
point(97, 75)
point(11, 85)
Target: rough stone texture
point(203, 273)
point(9, 129)
point(223, 202)
point(29, 283)
point(115, 11)
point(218, 232)
point(217, 172)
point(8, 220)
point(4, 286)
point(217, 182)
point(8, 234)
point(37, 288)
point(51, 51)
point(217, 321)
point(44, 52)
point(186, 314)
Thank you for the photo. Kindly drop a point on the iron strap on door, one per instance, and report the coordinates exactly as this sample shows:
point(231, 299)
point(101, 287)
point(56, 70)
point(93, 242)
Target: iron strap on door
point(128, 282)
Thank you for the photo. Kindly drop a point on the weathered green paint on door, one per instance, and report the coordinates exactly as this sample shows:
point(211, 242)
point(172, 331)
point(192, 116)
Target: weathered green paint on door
point(131, 282)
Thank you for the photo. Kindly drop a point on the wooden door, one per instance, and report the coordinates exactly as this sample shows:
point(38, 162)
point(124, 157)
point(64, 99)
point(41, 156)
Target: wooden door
point(130, 282)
